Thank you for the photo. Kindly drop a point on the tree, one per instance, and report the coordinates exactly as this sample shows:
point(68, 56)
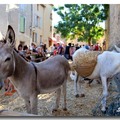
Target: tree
point(82, 21)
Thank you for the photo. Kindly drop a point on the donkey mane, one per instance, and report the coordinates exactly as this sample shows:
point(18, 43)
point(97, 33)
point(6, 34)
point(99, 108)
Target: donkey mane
point(20, 54)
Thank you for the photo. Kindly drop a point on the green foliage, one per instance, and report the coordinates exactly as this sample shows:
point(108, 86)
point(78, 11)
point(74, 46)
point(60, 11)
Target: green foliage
point(82, 21)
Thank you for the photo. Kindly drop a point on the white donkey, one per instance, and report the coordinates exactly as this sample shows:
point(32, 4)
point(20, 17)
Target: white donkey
point(31, 79)
point(108, 64)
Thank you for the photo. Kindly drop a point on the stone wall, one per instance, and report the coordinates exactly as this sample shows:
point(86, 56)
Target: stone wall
point(10, 15)
point(114, 25)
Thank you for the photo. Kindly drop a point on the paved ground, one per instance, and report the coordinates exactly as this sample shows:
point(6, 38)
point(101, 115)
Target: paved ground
point(76, 106)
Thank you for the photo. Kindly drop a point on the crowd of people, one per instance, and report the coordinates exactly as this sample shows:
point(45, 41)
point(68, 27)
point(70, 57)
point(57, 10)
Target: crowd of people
point(38, 54)
point(68, 50)
point(33, 53)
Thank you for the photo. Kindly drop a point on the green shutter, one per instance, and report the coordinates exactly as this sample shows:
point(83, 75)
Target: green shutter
point(22, 24)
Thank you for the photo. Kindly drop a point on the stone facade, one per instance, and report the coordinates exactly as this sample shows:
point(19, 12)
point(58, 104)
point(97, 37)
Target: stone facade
point(44, 28)
point(35, 17)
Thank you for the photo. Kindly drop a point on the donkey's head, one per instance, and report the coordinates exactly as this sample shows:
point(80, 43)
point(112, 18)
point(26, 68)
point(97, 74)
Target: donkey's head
point(6, 54)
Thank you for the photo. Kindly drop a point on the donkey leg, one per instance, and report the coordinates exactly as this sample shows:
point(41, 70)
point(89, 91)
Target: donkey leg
point(58, 93)
point(34, 102)
point(81, 89)
point(64, 94)
point(27, 104)
point(105, 93)
point(76, 86)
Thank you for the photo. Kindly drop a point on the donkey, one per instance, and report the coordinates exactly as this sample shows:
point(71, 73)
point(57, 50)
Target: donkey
point(108, 65)
point(31, 79)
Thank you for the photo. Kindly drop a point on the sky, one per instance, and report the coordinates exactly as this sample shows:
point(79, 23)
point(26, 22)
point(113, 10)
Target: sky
point(56, 17)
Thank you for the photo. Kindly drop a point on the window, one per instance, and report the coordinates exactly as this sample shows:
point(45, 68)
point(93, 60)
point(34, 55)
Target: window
point(37, 7)
point(40, 39)
point(22, 24)
point(40, 22)
point(53, 34)
point(51, 16)
point(37, 19)
point(22, 43)
point(50, 28)
point(50, 41)
point(34, 37)
point(43, 5)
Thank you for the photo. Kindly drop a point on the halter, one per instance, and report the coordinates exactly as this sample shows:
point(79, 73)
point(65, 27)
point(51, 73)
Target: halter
point(13, 64)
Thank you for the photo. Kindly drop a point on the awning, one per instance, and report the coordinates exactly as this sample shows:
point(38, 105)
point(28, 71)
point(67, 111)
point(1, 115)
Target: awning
point(54, 39)
point(62, 42)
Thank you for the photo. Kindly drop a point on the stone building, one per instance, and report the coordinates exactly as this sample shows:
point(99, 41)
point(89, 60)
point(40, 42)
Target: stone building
point(31, 22)
point(113, 26)
point(42, 24)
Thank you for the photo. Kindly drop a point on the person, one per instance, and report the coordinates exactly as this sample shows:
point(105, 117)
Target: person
point(104, 45)
point(76, 46)
point(96, 47)
point(41, 54)
point(33, 46)
point(87, 47)
point(26, 53)
point(9, 88)
point(55, 52)
point(91, 47)
point(71, 51)
point(60, 49)
point(52, 49)
point(33, 51)
point(67, 51)
point(20, 49)
point(83, 46)
point(44, 48)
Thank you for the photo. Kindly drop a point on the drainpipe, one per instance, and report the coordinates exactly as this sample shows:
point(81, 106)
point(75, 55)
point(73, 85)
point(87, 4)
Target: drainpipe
point(31, 35)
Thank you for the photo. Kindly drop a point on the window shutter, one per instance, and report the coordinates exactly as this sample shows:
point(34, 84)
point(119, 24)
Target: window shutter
point(22, 24)
point(35, 37)
point(40, 22)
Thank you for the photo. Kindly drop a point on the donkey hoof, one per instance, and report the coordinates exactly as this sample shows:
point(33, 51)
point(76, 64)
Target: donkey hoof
point(54, 110)
point(77, 95)
point(65, 109)
point(82, 95)
point(104, 112)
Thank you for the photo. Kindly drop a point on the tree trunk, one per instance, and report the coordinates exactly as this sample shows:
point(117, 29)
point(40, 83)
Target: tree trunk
point(89, 41)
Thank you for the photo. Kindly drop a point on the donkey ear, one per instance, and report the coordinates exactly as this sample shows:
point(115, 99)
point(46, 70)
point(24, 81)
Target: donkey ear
point(10, 36)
